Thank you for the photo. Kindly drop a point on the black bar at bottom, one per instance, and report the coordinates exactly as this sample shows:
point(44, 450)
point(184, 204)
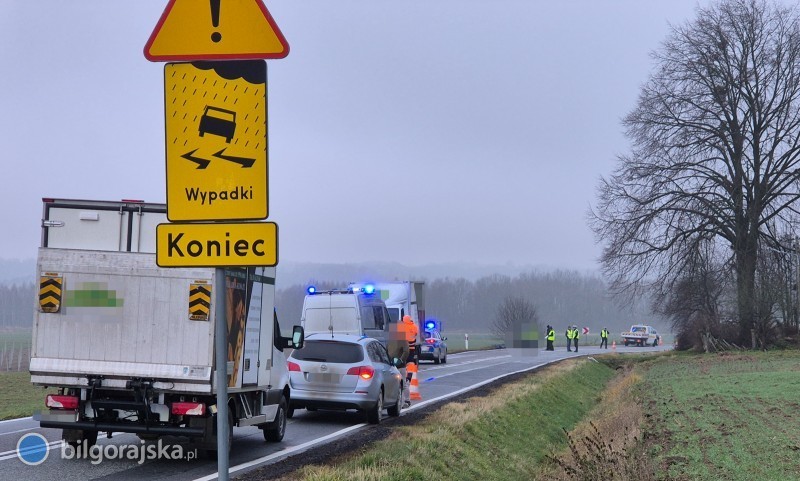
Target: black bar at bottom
point(123, 428)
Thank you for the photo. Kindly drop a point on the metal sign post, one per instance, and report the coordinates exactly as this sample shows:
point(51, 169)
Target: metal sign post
point(216, 151)
point(221, 350)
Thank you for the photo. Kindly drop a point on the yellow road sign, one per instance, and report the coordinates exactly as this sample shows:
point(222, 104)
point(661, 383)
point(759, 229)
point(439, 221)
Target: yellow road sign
point(216, 140)
point(215, 30)
point(217, 245)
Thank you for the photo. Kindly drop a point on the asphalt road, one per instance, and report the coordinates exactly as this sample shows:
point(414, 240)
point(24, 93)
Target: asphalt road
point(463, 371)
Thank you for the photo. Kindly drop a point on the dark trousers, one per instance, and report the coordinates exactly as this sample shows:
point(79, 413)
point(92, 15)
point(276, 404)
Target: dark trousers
point(569, 344)
point(604, 342)
point(550, 345)
point(576, 344)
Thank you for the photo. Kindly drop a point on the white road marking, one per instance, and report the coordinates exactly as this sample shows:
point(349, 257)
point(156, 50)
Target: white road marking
point(17, 419)
point(302, 447)
point(292, 449)
point(433, 378)
point(446, 366)
point(18, 431)
point(13, 454)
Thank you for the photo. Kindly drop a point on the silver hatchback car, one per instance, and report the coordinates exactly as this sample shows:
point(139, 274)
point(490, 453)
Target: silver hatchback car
point(344, 372)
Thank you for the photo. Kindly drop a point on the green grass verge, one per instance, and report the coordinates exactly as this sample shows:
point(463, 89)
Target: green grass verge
point(730, 416)
point(18, 397)
point(477, 341)
point(502, 436)
point(15, 338)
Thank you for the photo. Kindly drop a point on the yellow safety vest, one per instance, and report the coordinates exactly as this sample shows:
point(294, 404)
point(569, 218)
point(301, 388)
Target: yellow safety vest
point(551, 335)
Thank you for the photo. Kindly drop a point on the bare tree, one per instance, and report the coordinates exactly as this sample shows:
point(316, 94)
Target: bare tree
point(715, 155)
point(695, 302)
point(515, 315)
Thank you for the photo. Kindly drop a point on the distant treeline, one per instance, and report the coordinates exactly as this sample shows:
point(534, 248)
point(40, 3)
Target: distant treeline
point(560, 298)
point(16, 305)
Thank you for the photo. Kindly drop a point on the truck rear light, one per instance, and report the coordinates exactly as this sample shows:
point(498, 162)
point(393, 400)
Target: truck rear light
point(293, 366)
point(57, 401)
point(364, 372)
point(188, 409)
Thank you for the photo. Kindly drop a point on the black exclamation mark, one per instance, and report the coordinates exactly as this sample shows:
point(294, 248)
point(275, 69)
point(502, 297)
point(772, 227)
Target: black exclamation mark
point(216, 36)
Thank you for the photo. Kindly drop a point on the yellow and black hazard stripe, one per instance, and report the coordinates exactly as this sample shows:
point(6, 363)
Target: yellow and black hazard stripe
point(51, 287)
point(199, 301)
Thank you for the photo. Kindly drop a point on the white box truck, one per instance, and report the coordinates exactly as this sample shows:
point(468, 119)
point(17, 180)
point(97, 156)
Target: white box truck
point(129, 346)
point(401, 298)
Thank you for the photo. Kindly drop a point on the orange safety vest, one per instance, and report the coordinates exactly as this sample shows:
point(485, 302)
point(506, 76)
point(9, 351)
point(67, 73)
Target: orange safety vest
point(411, 331)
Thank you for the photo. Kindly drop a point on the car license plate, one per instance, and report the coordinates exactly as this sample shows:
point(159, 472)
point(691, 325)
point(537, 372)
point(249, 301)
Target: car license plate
point(325, 377)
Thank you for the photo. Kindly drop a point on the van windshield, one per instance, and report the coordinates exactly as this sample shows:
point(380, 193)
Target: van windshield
point(341, 318)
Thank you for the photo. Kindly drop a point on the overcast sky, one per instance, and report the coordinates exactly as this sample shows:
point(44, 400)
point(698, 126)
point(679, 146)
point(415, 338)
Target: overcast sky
point(414, 131)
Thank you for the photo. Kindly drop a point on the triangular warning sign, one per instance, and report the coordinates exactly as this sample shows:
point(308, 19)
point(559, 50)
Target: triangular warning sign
point(215, 30)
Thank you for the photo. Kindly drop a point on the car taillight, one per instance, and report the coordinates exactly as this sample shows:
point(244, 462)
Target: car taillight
point(56, 401)
point(293, 366)
point(188, 409)
point(364, 372)
point(430, 341)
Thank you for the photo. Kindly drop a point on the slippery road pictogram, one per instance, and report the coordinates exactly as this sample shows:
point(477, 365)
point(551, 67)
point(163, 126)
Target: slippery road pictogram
point(202, 163)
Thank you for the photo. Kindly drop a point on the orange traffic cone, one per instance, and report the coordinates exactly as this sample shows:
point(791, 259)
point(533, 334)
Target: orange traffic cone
point(414, 394)
point(613, 345)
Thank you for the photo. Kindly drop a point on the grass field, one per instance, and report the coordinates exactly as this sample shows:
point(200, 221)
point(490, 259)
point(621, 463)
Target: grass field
point(671, 416)
point(477, 340)
point(731, 416)
point(502, 436)
point(18, 397)
point(15, 338)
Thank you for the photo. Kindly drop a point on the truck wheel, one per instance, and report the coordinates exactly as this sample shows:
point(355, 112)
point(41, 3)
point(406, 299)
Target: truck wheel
point(276, 429)
point(290, 411)
point(438, 359)
point(78, 437)
point(374, 413)
point(444, 359)
point(212, 453)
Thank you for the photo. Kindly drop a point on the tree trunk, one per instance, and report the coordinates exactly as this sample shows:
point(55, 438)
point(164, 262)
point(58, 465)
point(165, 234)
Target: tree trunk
point(745, 288)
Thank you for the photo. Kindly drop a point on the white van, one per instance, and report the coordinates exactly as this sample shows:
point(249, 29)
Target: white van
point(346, 311)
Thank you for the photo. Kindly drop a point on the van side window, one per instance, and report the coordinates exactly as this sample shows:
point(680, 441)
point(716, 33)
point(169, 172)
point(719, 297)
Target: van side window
point(367, 317)
point(379, 319)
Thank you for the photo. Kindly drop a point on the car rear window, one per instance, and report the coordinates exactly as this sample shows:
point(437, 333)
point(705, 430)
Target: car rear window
point(330, 351)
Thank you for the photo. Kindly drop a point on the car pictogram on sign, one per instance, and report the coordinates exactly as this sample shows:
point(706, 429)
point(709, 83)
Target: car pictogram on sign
point(218, 121)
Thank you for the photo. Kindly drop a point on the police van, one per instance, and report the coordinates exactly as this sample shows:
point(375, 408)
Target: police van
point(346, 311)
